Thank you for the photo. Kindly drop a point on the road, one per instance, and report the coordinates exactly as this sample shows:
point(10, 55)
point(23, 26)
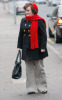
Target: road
point(43, 11)
point(16, 89)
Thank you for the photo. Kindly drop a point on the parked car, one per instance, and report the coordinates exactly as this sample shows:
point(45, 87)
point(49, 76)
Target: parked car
point(5, 1)
point(19, 6)
point(49, 2)
point(32, 1)
point(40, 1)
point(55, 24)
point(55, 2)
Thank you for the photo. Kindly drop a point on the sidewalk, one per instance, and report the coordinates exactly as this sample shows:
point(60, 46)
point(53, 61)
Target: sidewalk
point(8, 50)
point(16, 89)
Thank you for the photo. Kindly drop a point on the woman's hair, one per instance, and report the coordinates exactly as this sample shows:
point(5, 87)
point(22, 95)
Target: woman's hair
point(32, 8)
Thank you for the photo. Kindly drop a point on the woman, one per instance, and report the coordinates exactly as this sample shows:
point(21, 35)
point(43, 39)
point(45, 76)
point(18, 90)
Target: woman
point(32, 41)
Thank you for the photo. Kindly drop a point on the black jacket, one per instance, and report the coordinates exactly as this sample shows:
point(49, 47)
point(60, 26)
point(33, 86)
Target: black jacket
point(24, 40)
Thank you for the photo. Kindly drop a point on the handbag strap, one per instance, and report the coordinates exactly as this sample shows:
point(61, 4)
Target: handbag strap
point(18, 56)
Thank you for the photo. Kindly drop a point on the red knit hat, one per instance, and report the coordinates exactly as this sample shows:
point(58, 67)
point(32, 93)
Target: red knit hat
point(35, 6)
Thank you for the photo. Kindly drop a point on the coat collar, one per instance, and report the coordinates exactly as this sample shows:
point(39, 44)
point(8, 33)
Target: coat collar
point(24, 19)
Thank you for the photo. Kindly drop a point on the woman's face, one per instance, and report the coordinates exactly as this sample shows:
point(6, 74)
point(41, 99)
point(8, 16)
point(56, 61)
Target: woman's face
point(28, 11)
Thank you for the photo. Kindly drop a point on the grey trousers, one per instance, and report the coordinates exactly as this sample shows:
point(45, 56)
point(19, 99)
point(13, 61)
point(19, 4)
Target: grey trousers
point(35, 76)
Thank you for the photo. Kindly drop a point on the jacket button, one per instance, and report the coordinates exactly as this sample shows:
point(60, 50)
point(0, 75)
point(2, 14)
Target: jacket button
point(28, 30)
point(24, 30)
point(25, 24)
point(24, 34)
point(29, 35)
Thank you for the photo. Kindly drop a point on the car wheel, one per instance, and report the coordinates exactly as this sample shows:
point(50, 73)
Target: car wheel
point(50, 33)
point(57, 38)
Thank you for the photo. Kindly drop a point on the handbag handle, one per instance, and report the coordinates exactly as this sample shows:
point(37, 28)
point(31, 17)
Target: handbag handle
point(18, 55)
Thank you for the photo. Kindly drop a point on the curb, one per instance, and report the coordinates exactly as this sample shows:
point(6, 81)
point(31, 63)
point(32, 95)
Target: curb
point(55, 51)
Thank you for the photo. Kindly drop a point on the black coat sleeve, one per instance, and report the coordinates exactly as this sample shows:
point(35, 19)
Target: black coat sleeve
point(20, 37)
point(43, 35)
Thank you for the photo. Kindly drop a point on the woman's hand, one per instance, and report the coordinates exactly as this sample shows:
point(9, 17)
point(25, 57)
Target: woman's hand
point(19, 49)
point(42, 50)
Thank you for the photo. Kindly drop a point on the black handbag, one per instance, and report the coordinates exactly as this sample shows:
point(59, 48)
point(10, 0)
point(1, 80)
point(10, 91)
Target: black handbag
point(17, 71)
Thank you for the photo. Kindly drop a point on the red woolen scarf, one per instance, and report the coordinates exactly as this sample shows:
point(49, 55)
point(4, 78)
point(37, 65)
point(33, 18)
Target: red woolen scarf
point(34, 30)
